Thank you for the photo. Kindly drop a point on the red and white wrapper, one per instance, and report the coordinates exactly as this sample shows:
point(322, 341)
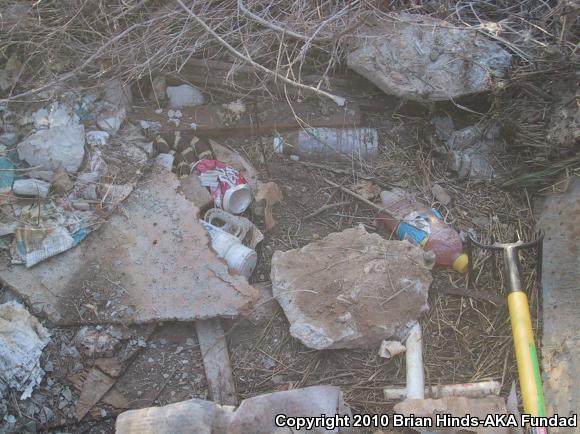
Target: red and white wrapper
point(222, 180)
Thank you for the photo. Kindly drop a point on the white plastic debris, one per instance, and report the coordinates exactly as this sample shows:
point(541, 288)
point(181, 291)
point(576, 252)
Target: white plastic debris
point(97, 138)
point(31, 187)
point(22, 338)
point(184, 96)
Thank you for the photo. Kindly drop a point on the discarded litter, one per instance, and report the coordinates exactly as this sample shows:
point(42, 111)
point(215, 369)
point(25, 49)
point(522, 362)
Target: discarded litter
point(240, 258)
point(22, 338)
point(228, 187)
point(238, 226)
point(390, 349)
point(330, 144)
point(423, 227)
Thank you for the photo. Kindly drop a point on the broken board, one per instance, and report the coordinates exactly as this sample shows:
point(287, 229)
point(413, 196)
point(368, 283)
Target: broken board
point(216, 361)
point(150, 262)
point(224, 119)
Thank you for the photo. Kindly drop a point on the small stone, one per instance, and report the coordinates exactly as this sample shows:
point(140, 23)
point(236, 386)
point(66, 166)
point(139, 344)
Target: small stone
point(61, 182)
point(441, 194)
point(111, 119)
point(192, 189)
point(97, 138)
point(31, 188)
point(66, 394)
point(81, 205)
point(184, 96)
point(8, 139)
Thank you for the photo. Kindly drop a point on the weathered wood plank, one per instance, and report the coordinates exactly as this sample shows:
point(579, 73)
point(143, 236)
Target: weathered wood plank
point(216, 361)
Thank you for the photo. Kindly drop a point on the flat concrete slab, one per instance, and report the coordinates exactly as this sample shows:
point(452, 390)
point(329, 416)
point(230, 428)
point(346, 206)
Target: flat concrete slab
point(150, 262)
point(559, 217)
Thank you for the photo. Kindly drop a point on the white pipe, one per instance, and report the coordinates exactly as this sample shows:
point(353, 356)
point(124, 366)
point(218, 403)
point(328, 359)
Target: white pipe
point(414, 364)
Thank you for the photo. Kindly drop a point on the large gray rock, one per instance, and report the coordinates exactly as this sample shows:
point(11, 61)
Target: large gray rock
point(55, 149)
point(351, 289)
point(426, 59)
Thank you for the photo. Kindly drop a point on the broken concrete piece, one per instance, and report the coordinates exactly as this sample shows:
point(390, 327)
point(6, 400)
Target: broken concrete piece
point(254, 415)
point(192, 189)
point(267, 195)
point(456, 406)
point(152, 262)
point(422, 58)
point(22, 338)
point(184, 96)
point(59, 148)
point(31, 188)
point(351, 289)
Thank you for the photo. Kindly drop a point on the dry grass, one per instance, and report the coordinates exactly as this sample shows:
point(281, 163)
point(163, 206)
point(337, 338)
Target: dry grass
point(465, 339)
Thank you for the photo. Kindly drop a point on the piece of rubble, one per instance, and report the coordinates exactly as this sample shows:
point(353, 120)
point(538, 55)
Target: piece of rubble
point(59, 148)
point(457, 407)
point(193, 190)
point(184, 96)
point(422, 58)
point(111, 119)
point(22, 338)
point(8, 138)
point(61, 182)
point(152, 262)
point(97, 138)
point(96, 385)
point(94, 342)
point(116, 93)
point(31, 188)
point(351, 289)
point(254, 415)
point(441, 194)
point(267, 195)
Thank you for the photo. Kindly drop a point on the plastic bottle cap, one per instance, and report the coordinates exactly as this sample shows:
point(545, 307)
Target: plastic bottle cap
point(461, 263)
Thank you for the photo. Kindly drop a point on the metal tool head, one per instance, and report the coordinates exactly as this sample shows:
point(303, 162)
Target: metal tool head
point(510, 257)
point(518, 245)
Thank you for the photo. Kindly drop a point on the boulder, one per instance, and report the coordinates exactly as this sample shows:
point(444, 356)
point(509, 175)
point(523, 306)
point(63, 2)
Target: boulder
point(58, 148)
point(351, 289)
point(425, 59)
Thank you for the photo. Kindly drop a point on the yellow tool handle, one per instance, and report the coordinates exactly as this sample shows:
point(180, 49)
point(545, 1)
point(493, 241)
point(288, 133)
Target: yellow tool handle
point(526, 355)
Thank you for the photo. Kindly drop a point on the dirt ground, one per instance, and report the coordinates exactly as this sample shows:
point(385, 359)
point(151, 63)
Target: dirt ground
point(466, 338)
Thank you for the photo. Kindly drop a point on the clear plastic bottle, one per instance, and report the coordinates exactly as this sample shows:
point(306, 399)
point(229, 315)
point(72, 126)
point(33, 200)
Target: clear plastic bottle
point(330, 144)
point(424, 227)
